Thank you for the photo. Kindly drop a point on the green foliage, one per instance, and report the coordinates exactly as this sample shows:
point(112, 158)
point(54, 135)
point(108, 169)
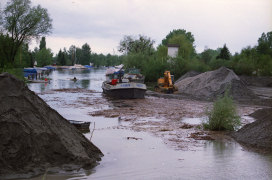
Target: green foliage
point(5, 47)
point(223, 116)
point(153, 68)
point(61, 58)
point(42, 43)
point(44, 57)
point(162, 51)
point(142, 45)
point(17, 72)
point(108, 60)
point(224, 54)
point(265, 44)
point(189, 36)
point(180, 66)
point(24, 57)
point(85, 55)
point(186, 48)
point(23, 23)
point(208, 54)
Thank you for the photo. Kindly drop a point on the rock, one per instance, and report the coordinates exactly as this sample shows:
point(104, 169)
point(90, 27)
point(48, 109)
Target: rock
point(257, 134)
point(35, 137)
point(209, 85)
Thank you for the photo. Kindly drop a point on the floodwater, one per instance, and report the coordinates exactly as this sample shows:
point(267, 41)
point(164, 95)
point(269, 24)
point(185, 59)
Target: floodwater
point(145, 156)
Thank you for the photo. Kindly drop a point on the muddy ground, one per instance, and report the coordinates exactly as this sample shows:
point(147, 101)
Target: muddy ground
point(159, 114)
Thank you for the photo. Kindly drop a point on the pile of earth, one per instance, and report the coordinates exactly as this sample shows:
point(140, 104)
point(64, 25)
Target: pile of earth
point(35, 138)
point(188, 74)
point(257, 134)
point(209, 85)
point(260, 81)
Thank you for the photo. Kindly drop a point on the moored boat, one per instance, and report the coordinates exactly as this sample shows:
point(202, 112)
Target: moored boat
point(124, 85)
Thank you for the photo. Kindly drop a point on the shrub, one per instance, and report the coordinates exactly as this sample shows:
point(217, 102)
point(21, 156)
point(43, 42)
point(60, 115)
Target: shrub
point(223, 116)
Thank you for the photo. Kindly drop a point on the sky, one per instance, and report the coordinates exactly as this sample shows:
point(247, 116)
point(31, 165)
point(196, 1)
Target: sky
point(103, 23)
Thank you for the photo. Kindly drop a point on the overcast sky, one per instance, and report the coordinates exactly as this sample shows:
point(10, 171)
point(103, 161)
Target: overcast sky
point(103, 23)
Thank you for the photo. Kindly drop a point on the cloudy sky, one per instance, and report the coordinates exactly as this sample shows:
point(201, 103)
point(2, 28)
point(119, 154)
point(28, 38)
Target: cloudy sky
point(103, 23)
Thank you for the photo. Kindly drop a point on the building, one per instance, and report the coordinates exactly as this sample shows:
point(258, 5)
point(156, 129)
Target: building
point(173, 50)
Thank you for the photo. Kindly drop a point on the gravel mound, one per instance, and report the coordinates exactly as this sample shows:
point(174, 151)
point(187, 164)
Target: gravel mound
point(257, 134)
point(34, 137)
point(209, 85)
point(188, 74)
point(259, 81)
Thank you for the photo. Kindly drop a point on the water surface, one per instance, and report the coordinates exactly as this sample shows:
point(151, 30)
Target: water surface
point(148, 157)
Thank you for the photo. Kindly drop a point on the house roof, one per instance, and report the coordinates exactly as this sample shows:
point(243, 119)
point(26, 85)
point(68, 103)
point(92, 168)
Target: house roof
point(173, 45)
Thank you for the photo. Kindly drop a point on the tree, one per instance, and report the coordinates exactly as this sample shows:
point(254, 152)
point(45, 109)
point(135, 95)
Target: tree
point(23, 22)
point(86, 54)
point(43, 43)
point(44, 57)
point(143, 45)
point(224, 54)
point(61, 58)
point(5, 46)
point(265, 44)
point(186, 48)
point(208, 54)
point(189, 36)
point(71, 54)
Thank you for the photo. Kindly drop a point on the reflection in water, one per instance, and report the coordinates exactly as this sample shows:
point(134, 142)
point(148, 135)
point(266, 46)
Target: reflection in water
point(63, 79)
point(85, 83)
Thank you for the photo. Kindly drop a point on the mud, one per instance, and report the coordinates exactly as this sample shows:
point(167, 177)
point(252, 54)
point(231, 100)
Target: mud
point(211, 84)
point(162, 117)
point(35, 138)
point(257, 134)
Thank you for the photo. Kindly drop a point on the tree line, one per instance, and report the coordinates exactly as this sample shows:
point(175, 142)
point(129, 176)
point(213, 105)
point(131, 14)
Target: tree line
point(20, 22)
point(139, 52)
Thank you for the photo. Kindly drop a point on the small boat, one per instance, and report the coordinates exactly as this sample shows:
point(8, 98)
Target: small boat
point(124, 85)
point(81, 125)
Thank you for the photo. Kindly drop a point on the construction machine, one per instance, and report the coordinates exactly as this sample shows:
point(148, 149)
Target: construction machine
point(165, 84)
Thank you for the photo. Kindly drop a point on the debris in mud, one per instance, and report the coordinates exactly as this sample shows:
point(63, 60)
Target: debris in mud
point(186, 126)
point(74, 90)
point(211, 84)
point(134, 138)
point(165, 129)
point(257, 134)
point(34, 137)
point(200, 136)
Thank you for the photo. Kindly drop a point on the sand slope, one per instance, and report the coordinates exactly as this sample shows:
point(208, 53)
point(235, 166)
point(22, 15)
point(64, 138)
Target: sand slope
point(34, 136)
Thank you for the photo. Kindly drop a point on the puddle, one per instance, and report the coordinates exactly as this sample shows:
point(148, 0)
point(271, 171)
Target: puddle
point(193, 121)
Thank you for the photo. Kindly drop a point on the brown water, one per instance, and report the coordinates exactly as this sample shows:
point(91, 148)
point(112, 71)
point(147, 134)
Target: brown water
point(148, 157)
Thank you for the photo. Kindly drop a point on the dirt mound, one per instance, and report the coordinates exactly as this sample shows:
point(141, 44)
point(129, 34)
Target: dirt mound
point(211, 84)
point(257, 134)
point(35, 137)
point(188, 74)
point(260, 81)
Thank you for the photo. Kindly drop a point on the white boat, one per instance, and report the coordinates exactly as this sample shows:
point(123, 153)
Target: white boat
point(122, 85)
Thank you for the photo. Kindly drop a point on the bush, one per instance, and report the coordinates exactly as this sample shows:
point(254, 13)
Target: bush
point(223, 116)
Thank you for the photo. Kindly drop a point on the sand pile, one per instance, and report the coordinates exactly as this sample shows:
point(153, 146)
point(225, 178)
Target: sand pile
point(35, 137)
point(188, 74)
point(259, 133)
point(210, 84)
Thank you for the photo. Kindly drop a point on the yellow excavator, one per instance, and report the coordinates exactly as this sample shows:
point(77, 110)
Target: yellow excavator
point(165, 84)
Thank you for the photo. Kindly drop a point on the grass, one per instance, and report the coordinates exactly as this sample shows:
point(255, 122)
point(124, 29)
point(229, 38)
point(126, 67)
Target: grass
point(223, 115)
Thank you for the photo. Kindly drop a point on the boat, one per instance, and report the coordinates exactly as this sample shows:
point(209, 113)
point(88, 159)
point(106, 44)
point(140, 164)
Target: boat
point(122, 84)
point(36, 75)
point(81, 125)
